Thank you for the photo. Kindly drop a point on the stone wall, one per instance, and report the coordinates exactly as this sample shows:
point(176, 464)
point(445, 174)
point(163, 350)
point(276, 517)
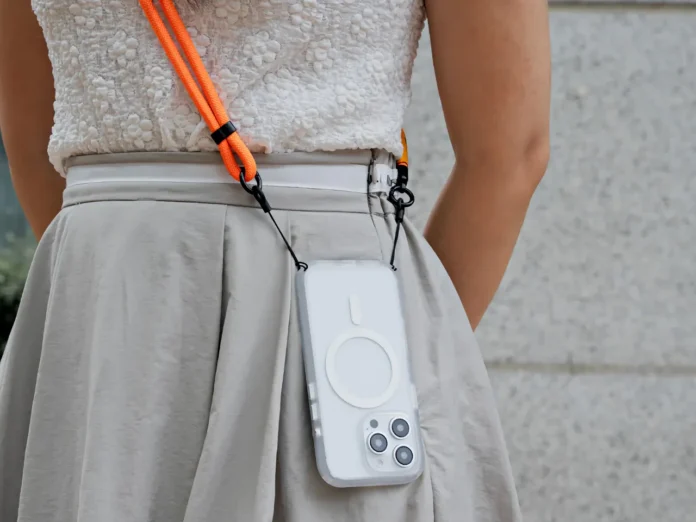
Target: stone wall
point(591, 341)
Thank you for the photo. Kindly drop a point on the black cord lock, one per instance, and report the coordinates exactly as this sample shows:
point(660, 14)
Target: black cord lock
point(402, 174)
point(224, 132)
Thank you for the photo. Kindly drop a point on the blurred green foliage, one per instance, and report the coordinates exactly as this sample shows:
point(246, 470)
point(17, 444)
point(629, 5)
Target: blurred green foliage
point(15, 259)
point(16, 251)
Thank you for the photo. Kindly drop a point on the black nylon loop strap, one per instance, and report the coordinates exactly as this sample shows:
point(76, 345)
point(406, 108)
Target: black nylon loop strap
point(223, 133)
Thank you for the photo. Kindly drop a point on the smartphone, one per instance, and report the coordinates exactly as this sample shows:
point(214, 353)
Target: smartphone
point(362, 400)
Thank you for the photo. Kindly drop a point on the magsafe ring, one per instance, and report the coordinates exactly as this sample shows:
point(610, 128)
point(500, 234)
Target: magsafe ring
point(335, 381)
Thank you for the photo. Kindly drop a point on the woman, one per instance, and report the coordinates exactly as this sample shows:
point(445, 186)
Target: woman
point(154, 372)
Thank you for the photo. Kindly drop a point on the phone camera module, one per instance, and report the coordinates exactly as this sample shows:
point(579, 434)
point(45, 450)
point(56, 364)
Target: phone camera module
point(400, 428)
point(378, 443)
point(404, 456)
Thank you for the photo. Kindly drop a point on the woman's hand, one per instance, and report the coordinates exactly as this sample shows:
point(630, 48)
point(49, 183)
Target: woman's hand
point(26, 113)
point(492, 63)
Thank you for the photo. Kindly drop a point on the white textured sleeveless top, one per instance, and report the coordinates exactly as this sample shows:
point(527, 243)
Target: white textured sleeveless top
point(295, 75)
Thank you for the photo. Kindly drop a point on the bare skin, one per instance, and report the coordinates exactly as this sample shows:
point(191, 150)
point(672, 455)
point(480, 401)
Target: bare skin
point(26, 113)
point(492, 63)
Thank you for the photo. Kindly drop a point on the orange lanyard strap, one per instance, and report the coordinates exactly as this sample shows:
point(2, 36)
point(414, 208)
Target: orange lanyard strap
point(208, 102)
point(402, 162)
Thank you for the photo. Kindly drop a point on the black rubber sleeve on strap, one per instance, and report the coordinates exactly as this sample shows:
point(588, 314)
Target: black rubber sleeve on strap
point(223, 132)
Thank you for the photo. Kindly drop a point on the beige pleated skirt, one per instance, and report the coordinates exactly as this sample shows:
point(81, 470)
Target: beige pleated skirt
point(154, 373)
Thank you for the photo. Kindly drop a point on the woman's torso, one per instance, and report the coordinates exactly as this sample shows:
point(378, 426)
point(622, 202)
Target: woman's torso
point(295, 75)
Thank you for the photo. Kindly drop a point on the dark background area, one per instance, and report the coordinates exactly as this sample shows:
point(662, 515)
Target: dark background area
point(16, 250)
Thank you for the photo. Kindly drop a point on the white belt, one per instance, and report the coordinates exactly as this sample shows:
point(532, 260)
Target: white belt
point(341, 177)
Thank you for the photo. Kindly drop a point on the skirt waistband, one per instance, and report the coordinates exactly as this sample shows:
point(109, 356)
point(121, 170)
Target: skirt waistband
point(344, 171)
point(353, 181)
point(345, 157)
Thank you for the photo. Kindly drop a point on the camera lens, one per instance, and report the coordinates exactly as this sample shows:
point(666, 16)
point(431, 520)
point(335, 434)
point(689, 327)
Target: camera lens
point(403, 455)
point(378, 443)
point(400, 428)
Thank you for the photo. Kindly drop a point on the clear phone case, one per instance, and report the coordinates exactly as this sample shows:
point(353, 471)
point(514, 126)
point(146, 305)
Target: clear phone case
point(362, 399)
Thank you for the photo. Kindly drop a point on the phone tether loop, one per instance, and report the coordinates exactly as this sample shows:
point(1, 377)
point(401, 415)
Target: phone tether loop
point(400, 196)
point(257, 191)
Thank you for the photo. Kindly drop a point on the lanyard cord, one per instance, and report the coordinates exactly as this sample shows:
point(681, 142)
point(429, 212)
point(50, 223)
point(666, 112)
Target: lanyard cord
point(223, 131)
point(402, 162)
point(208, 102)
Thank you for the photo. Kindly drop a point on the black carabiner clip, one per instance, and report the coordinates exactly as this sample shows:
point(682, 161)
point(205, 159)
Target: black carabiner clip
point(402, 198)
point(255, 190)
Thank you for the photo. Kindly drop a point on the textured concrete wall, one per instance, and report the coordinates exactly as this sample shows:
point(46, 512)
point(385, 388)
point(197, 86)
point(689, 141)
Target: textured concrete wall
point(591, 341)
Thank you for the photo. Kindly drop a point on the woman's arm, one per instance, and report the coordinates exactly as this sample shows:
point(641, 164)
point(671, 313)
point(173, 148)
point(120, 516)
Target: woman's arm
point(492, 63)
point(26, 113)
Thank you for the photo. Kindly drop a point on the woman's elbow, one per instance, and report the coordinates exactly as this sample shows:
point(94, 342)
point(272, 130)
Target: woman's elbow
point(534, 160)
point(512, 166)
